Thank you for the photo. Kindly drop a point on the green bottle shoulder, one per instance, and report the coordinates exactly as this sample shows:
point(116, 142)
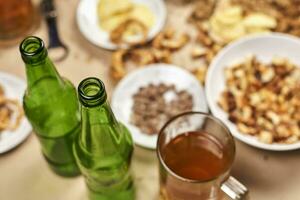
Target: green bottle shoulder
point(51, 107)
point(49, 88)
point(107, 154)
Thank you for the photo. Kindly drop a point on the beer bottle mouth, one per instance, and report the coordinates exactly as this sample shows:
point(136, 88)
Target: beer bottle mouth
point(92, 92)
point(32, 49)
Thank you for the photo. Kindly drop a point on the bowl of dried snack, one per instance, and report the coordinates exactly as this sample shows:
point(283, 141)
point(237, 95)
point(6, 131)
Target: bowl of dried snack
point(146, 98)
point(113, 24)
point(14, 127)
point(253, 86)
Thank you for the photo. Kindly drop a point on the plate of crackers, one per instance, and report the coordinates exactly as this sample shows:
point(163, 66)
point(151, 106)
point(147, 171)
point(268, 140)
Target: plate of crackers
point(14, 127)
point(113, 24)
point(253, 86)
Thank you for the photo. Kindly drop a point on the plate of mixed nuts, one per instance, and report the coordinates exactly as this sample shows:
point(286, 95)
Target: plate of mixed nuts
point(147, 98)
point(253, 86)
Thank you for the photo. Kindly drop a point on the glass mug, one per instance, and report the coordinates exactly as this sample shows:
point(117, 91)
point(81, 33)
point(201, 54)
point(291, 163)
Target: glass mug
point(17, 17)
point(196, 152)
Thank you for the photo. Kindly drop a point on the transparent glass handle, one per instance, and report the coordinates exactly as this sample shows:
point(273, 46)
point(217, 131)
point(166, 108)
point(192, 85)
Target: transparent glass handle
point(234, 189)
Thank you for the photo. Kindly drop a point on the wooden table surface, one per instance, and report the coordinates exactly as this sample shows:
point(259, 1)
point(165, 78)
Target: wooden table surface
point(24, 174)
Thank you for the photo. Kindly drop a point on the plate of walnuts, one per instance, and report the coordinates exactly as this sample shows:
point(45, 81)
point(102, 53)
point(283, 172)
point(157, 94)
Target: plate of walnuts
point(253, 86)
point(147, 98)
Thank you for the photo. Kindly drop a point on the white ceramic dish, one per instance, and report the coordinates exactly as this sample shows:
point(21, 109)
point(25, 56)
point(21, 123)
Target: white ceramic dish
point(14, 88)
point(87, 21)
point(264, 47)
point(157, 73)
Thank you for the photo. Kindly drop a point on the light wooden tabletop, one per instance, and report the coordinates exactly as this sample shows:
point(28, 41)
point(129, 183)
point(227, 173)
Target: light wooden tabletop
point(24, 174)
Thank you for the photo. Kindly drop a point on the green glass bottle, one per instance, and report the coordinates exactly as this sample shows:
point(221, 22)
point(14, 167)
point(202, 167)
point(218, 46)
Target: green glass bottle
point(104, 148)
point(50, 104)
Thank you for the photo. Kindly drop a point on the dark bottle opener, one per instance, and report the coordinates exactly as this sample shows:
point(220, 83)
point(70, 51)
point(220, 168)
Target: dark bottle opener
point(58, 51)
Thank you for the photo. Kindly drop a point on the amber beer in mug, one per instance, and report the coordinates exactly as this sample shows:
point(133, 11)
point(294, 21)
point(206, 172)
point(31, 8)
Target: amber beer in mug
point(196, 152)
point(17, 18)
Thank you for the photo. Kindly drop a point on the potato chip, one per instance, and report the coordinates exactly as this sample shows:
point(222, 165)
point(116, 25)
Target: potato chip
point(143, 14)
point(229, 16)
point(113, 13)
point(229, 24)
point(260, 20)
point(109, 8)
point(113, 22)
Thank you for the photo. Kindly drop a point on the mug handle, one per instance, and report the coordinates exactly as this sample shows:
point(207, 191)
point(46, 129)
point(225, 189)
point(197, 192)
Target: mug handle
point(234, 189)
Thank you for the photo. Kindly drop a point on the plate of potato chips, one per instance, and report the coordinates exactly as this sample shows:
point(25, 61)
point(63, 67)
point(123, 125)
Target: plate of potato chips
point(113, 24)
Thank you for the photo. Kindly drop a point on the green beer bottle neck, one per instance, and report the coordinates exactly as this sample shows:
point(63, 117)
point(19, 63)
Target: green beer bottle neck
point(38, 65)
point(100, 129)
point(101, 114)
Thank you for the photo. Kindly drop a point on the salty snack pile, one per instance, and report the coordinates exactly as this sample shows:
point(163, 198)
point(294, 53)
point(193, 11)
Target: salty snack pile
point(231, 23)
point(286, 12)
point(11, 112)
point(160, 50)
point(226, 22)
point(155, 104)
point(220, 22)
point(229, 20)
point(263, 100)
point(217, 23)
point(124, 20)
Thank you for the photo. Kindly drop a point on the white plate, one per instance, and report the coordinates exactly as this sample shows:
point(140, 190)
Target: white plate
point(157, 73)
point(14, 88)
point(87, 21)
point(264, 47)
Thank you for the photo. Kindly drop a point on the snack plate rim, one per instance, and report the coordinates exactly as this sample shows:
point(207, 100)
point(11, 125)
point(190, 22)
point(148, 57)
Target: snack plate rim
point(250, 140)
point(200, 104)
point(24, 129)
point(105, 43)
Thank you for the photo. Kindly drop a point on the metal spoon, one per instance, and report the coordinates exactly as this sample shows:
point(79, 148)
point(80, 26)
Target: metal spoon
point(58, 51)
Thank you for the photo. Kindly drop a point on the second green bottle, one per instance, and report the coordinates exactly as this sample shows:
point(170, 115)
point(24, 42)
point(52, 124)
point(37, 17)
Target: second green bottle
point(104, 148)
